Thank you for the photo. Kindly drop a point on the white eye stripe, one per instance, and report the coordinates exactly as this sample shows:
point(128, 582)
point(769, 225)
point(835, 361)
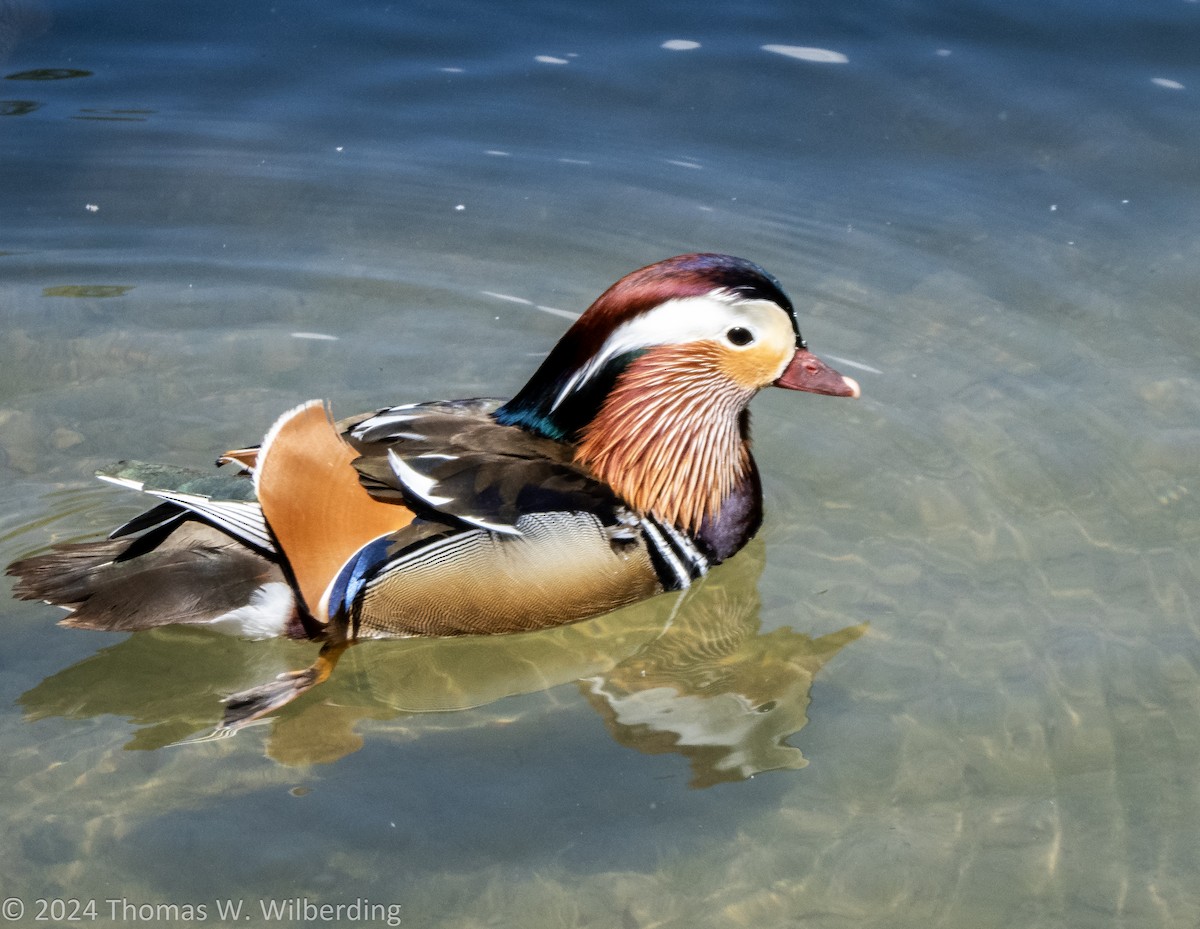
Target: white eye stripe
point(686, 319)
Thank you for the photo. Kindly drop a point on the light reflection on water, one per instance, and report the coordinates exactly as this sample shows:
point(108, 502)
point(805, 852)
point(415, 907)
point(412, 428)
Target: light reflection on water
point(973, 608)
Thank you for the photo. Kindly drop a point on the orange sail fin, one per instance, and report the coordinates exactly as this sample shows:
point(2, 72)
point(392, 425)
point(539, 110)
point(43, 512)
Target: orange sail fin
point(313, 501)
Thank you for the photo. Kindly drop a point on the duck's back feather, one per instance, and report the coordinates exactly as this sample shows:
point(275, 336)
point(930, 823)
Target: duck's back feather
point(454, 462)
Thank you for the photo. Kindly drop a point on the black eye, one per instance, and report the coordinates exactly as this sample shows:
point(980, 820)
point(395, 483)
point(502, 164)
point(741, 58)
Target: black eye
point(739, 336)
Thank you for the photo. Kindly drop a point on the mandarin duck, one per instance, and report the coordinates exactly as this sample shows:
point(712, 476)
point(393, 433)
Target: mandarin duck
point(621, 470)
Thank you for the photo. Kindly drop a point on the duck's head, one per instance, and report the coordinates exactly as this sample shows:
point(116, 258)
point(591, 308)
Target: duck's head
point(662, 367)
point(713, 316)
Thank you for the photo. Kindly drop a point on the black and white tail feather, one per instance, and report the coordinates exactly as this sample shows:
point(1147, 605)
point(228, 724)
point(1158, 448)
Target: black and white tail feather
point(204, 556)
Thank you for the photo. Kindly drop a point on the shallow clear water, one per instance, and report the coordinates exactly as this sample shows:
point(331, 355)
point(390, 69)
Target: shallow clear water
point(962, 663)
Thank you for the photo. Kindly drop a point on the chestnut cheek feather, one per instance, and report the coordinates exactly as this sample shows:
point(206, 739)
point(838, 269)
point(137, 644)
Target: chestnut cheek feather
point(668, 438)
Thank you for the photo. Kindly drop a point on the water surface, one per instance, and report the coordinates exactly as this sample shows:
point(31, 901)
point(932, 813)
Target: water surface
point(957, 680)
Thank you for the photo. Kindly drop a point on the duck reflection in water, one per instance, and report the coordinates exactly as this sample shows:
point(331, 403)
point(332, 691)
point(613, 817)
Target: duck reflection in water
point(694, 675)
point(714, 688)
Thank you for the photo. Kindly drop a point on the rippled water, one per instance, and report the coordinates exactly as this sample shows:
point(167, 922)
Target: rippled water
point(956, 682)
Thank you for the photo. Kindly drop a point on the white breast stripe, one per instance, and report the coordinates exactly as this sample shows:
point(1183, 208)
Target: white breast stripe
point(668, 555)
point(685, 547)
